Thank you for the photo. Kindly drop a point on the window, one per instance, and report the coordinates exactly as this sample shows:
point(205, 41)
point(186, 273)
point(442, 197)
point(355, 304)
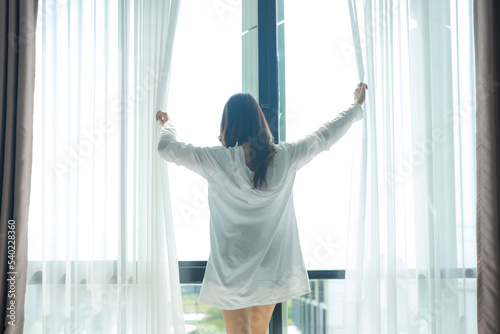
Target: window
point(206, 71)
point(319, 80)
point(299, 115)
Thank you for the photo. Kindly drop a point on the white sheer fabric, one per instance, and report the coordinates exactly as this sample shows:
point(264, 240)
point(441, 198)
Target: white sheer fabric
point(102, 255)
point(411, 254)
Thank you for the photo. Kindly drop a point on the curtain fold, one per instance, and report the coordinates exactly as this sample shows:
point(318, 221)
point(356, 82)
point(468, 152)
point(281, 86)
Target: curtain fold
point(410, 263)
point(17, 81)
point(102, 250)
point(487, 51)
point(155, 23)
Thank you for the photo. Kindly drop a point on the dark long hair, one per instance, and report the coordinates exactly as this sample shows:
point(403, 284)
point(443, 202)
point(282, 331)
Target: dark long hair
point(243, 121)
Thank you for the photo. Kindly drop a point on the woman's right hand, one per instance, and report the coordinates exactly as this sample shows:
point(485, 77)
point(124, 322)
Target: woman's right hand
point(359, 93)
point(162, 117)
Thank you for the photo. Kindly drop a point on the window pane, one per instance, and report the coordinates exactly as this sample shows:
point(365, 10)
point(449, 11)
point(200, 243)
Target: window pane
point(200, 318)
point(206, 71)
point(320, 80)
point(319, 311)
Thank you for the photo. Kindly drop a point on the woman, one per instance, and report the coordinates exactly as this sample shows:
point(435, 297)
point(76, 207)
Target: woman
point(255, 258)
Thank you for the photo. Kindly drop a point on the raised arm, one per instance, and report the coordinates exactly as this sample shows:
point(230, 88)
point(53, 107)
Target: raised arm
point(198, 159)
point(305, 149)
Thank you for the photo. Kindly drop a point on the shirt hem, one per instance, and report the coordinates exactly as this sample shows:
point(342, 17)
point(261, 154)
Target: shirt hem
point(237, 307)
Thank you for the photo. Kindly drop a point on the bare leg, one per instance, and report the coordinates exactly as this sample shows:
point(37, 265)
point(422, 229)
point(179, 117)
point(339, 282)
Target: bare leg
point(237, 321)
point(250, 320)
point(259, 318)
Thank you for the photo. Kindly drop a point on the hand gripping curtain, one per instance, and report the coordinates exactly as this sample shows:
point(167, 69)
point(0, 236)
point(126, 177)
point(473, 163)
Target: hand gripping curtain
point(102, 255)
point(410, 265)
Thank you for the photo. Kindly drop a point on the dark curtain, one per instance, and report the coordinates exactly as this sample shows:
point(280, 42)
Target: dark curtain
point(17, 82)
point(487, 40)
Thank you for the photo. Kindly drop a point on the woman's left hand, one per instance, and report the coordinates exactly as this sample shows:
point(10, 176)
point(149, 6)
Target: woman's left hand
point(162, 117)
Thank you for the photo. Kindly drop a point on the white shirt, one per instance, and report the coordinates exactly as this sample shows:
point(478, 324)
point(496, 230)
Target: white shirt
point(255, 256)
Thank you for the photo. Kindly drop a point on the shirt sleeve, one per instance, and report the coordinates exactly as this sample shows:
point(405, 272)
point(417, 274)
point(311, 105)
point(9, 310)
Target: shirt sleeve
point(305, 149)
point(200, 160)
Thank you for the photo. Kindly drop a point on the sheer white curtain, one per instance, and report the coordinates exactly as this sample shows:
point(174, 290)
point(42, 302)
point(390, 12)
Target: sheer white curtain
point(411, 260)
point(102, 256)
